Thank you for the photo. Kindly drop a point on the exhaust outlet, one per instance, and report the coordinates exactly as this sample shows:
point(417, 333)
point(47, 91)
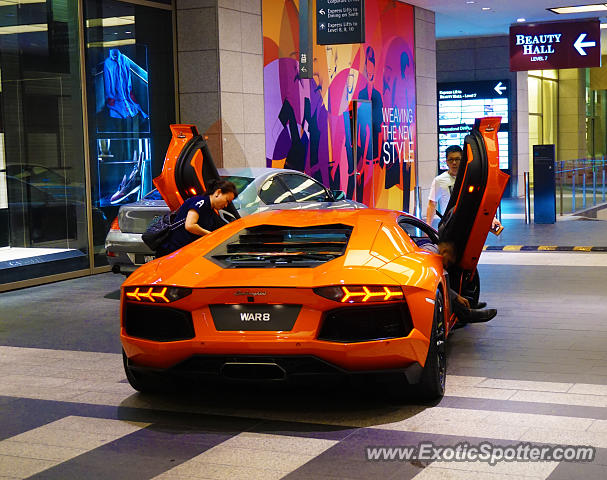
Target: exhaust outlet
point(253, 371)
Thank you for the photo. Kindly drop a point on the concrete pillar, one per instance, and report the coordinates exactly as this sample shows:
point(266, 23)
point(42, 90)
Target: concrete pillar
point(220, 67)
point(425, 92)
point(522, 135)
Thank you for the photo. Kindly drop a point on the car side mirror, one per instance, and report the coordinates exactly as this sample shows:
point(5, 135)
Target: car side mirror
point(338, 195)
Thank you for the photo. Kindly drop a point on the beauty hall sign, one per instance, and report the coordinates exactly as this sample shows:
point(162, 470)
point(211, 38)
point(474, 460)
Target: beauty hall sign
point(540, 46)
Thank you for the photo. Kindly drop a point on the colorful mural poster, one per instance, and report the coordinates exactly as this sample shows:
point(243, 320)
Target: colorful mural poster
point(311, 125)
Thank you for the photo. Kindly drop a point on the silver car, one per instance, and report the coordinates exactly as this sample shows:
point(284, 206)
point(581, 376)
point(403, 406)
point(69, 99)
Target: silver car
point(259, 189)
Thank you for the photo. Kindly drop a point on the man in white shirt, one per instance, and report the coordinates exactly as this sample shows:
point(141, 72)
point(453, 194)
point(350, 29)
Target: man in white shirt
point(442, 185)
point(440, 191)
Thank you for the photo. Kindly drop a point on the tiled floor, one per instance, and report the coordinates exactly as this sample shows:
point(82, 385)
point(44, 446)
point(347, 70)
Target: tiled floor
point(537, 373)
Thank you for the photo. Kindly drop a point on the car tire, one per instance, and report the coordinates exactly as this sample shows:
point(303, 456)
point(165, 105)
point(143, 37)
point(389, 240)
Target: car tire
point(433, 377)
point(146, 383)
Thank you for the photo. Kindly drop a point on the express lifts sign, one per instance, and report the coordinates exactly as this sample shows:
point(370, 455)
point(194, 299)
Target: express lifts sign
point(541, 46)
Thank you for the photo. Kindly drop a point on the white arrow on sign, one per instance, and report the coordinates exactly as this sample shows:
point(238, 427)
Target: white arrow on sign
point(322, 11)
point(499, 88)
point(580, 44)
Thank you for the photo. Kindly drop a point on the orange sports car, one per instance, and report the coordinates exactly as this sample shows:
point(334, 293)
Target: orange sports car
point(283, 294)
point(289, 293)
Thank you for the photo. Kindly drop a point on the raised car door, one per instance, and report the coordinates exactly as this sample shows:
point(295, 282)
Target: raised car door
point(188, 168)
point(477, 192)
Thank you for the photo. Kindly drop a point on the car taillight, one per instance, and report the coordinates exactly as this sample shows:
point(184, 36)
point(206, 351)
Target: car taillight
point(156, 294)
point(115, 225)
point(361, 293)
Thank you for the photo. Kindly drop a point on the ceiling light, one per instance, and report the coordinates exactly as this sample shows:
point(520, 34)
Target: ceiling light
point(113, 43)
point(486, 8)
point(521, 20)
point(597, 7)
point(470, 1)
point(111, 21)
point(15, 3)
point(35, 27)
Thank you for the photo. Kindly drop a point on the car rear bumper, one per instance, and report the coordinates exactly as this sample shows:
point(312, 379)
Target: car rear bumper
point(361, 357)
point(128, 252)
point(122, 242)
point(354, 338)
point(272, 368)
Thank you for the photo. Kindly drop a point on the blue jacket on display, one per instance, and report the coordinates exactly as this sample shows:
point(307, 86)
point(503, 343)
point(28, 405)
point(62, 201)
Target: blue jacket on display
point(117, 85)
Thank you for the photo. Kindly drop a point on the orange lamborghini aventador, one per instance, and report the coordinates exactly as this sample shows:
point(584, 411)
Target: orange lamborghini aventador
point(282, 294)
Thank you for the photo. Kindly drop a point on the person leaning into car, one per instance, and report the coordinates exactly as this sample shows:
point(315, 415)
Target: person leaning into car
point(201, 216)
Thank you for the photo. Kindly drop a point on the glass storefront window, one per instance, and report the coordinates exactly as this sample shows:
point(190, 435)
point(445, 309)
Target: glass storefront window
point(549, 111)
point(43, 220)
point(45, 196)
point(131, 101)
point(534, 94)
point(543, 109)
point(596, 113)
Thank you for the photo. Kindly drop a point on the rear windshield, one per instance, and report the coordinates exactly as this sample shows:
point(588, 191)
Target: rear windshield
point(240, 182)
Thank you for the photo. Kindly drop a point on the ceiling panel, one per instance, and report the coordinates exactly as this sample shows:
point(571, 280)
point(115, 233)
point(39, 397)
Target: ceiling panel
point(457, 18)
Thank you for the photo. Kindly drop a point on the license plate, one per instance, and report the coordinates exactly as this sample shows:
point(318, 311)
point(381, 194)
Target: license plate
point(249, 317)
point(140, 259)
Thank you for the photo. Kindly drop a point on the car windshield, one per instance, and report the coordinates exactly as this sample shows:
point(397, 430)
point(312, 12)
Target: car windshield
point(240, 182)
point(305, 189)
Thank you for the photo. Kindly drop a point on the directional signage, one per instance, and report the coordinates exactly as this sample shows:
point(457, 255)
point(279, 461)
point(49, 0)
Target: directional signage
point(460, 103)
point(305, 35)
point(340, 21)
point(541, 46)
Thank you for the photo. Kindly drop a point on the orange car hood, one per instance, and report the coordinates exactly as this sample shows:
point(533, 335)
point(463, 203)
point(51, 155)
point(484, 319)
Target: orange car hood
point(360, 263)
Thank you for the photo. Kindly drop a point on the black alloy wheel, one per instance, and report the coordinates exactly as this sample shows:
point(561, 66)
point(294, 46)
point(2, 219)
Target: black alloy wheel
point(434, 375)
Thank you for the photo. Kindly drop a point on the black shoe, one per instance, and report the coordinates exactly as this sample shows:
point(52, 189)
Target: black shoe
point(480, 315)
point(479, 305)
